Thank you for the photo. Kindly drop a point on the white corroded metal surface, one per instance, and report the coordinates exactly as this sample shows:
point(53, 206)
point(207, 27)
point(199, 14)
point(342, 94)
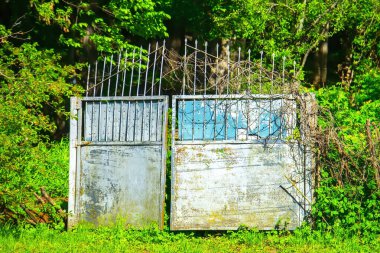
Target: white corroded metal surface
point(120, 182)
point(221, 186)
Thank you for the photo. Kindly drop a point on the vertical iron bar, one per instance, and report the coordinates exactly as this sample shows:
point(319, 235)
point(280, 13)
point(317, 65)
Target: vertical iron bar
point(114, 103)
point(147, 71)
point(133, 66)
point(129, 94)
point(283, 70)
point(102, 82)
point(127, 120)
point(216, 88)
point(184, 87)
point(282, 118)
point(270, 100)
point(86, 103)
point(117, 74)
point(122, 91)
point(145, 87)
point(228, 68)
point(139, 76)
point(247, 107)
point(108, 93)
point(120, 118)
point(249, 89)
point(249, 70)
point(134, 122)
point(238, 74)
point(204, 93)
point(96, 74)
point(162, 64)
point(215, 102)
point(194, 87)
point(93, 103)
point(195, 67)
point(259, 119)
point(151, 92)
point(226, 120)
point(260, 90)
point(261, 71)
point(109, 78)
point(270, 118)
point(101, 94)
point(205, 70)
point(237, 119)
point(227, 101)
point(272, 76)
point(125, 72)
point(106, 120)
point(154, 68)
point(217, 69)
point(137, 94)
point(88, 78)
point(159, 90)
point(184, 69)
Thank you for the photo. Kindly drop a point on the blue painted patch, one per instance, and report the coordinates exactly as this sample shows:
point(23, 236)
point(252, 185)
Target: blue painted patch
point(213, 120)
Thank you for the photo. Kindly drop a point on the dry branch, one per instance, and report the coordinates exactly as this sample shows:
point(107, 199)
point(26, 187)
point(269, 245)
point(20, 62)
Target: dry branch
point(51, 201)
point(372, 152)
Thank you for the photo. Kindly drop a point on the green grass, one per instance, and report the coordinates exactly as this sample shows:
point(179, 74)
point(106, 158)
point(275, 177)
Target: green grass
point(118, 239)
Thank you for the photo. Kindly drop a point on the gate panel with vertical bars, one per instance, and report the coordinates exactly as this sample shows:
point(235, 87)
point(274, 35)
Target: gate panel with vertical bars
point(120, 161)
point(232, 163)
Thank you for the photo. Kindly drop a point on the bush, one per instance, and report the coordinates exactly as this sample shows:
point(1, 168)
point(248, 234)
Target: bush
point(34, 89)
point(348, 192)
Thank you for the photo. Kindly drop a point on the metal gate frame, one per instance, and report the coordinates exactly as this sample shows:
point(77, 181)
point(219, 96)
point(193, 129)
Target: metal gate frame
point(77, 142)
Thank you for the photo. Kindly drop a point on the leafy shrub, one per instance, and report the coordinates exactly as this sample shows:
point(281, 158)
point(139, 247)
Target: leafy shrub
point(348, 192)
point(34, 88)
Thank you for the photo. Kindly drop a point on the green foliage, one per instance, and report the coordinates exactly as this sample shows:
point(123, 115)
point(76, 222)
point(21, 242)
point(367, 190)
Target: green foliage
point(354, 208)
point(348, 195)
point(107, 25)
point(34, 88)
point(277, 26)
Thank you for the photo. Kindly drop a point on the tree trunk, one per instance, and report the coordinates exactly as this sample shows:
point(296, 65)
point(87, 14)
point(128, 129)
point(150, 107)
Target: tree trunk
point(320, 65)
point(320, 61)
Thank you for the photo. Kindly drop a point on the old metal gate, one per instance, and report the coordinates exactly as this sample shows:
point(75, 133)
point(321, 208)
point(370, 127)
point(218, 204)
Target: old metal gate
point(118, 146)
point(241, 159)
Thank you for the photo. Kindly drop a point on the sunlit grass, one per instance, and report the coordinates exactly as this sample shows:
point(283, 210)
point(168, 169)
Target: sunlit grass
point(118, 239)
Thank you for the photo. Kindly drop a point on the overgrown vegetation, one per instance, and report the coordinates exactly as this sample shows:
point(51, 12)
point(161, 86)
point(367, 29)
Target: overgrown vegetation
point(118, 239)
point(348, 190)
point(40, 40)
point(34, 90)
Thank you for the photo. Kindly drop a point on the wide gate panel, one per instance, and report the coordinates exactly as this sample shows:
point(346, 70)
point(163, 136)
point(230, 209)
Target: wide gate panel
point(236, 165)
